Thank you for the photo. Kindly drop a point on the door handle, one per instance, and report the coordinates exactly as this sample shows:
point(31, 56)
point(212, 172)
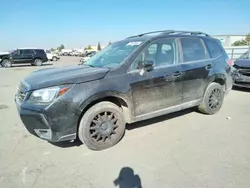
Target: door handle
point(209, 66)
point(177, 74)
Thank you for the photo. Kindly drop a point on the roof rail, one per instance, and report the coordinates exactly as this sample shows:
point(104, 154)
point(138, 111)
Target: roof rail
point(167, 32)
point(162, 31)
point(192, 33)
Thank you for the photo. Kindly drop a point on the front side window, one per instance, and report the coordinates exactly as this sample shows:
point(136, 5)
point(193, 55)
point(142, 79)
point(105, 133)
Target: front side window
point(161, 52)
point(113, 55)
point(192, 49)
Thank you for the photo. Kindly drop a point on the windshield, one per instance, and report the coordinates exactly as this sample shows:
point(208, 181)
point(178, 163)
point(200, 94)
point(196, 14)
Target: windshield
point(246, 55)
point(14, 52)
point(113, 55)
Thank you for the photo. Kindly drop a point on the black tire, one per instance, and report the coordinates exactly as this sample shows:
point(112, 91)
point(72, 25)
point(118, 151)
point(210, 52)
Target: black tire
point(54, 58)
point(102, 126)
point(6, 63)
point(213, 99)
point(38, 62)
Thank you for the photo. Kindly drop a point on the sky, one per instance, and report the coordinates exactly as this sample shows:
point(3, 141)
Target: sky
point(78, 23)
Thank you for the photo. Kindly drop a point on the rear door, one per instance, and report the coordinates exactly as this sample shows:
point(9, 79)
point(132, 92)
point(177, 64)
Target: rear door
point(196, 66)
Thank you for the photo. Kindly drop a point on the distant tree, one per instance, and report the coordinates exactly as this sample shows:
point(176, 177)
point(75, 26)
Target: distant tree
point(89, 47)
point(60, 47)
point(240, 43)
point(243, 42)
point(99, 47)
point(248, 38)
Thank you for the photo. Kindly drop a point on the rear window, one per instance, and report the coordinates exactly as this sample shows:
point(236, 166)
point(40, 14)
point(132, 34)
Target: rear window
point(213, 48)
point(192, 49)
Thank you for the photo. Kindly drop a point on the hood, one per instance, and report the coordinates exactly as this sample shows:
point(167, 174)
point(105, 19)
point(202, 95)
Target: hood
point(4, 54)
point(64, 75)
point(242, 63)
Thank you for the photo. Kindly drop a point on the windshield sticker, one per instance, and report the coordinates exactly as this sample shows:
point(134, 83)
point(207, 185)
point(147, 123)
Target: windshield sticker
point(137, 43)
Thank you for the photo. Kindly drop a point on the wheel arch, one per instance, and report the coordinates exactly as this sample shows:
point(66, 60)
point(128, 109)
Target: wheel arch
point(117, 98)
point(218, 78)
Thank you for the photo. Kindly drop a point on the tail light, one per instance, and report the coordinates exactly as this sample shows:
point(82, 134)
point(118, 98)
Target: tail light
point(230, 62)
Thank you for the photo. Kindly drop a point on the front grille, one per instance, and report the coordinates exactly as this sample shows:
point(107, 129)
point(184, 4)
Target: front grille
point(245, 72)
point(22, 91)
point(23, 86)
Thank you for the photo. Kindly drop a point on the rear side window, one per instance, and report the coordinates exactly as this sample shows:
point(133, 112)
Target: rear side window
point(213, 48)
point(28, 52)
point(192, 49)
point(40, 52)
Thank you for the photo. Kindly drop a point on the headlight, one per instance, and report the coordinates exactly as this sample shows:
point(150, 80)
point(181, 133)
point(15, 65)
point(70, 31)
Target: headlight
point(47, 95)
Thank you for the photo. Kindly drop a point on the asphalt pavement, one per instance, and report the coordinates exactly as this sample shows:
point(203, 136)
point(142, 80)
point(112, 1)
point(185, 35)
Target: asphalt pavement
point(181, 150)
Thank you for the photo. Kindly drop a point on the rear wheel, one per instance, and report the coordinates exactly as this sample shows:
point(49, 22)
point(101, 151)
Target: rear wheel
point(213, 99)
point(102, 126)
point(6, 63)
point(38, 62)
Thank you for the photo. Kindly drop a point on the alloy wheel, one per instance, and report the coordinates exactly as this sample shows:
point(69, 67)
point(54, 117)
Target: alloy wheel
point(103, 127)
point(215, 98)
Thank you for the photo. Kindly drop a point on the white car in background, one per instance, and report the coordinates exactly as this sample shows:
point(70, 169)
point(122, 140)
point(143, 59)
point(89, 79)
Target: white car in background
point(52, 56)
point(87, 56)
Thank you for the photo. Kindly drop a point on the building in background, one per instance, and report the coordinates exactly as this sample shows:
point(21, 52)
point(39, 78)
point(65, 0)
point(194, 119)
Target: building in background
point(228, 40)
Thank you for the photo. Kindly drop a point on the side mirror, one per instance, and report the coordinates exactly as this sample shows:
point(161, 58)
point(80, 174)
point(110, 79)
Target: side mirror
point(148, 65)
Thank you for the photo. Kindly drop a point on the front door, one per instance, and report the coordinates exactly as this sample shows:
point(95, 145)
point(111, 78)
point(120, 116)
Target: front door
point(196, 66)
point(161, 87)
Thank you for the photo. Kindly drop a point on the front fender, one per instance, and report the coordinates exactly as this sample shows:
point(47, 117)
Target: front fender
point(127, 109)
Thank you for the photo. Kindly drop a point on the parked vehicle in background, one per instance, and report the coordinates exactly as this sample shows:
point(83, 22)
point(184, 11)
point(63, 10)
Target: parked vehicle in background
point(135, 79)
point(87, 56)
point(241, 73)
point(24, 55)
point(66, 52)
point(52, 56)
point(4, 53)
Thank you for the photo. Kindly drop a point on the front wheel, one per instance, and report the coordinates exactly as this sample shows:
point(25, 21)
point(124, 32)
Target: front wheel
point(54, 58)
point(6, 63)
point(102, 126)
point(213, 99)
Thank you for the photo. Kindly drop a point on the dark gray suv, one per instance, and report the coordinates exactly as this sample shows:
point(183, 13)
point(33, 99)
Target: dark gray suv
point(135, 79)
point(25, 55)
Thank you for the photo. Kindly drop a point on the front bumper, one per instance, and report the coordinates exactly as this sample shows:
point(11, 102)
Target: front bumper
point(46, 123)
point(241, 80)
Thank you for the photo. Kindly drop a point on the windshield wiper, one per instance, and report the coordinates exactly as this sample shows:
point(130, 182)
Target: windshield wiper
point(90, 65)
